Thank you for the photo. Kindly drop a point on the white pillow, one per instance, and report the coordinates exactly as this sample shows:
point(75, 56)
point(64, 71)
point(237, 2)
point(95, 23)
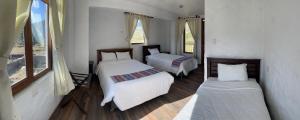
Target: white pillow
point(108, 56)
point(232, 72)
point(153, 51)
point(123, 56)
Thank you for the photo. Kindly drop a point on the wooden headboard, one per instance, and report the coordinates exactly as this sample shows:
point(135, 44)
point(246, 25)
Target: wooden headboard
point(112, 50)
point(253, 66)
point(146, 52)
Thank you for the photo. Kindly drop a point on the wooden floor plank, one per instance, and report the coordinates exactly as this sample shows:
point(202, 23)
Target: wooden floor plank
point(164, 107)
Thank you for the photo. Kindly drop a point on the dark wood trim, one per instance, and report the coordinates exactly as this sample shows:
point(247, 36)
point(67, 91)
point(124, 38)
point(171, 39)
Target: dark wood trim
point(146, 52)
point(183, 38)
point(196, 16)
point(202, 40)
point(28, 49)
point(138, 14)
point(50, 49)
point(253, 66)
point(112, 50)
point(46, 1)
point(137, 43)
point(30, 77)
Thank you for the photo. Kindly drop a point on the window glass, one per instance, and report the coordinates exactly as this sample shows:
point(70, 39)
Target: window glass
point(138, 36)
point(189, 40)
point(16, 66)
point(39, 28)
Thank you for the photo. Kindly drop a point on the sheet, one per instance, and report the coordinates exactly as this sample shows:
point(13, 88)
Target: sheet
point(216, 100)
point(131, 93)
point(164, 62)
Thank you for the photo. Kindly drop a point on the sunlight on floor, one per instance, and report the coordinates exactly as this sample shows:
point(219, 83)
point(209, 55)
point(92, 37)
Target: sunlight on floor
point(179, 104)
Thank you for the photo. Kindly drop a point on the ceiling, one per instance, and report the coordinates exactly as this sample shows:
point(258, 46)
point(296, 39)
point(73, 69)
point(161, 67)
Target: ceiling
point(190, 7)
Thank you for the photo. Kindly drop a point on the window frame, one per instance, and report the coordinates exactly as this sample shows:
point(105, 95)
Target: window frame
point(137, 43)
point(184, 40)
point(30, 77)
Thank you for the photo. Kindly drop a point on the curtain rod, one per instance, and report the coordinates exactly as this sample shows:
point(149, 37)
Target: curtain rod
point(197, 16)
point(137, 14)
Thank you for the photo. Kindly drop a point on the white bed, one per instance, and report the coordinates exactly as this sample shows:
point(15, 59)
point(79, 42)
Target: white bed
point(131, 93)
point(164, 62)
point(217, 100)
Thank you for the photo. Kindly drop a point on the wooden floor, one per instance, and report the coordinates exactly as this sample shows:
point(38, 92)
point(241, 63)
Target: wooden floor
point(161, 108)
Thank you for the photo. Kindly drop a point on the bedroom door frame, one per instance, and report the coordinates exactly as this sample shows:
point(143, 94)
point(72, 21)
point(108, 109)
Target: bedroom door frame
point(202, 49)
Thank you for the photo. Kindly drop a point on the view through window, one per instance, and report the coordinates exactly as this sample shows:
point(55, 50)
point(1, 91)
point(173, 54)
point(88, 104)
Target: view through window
point(24, 64)
point(16, 65)
point(138, 35)
point(39, 28)
point(188, 40)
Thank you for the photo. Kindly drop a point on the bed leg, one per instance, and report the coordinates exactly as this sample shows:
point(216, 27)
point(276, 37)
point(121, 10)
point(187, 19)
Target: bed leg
point(112, 106)
point(181, 75)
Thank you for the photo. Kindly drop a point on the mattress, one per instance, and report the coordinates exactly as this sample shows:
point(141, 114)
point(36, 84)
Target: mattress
point(164, 62)
point(131, 93)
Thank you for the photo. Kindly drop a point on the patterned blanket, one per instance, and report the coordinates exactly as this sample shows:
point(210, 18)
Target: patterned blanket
point(135, 75)
point(177, 62)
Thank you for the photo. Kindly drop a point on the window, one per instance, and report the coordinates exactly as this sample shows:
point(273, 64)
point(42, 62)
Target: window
point(188, 40)
point(31, 56)
point(138, 35)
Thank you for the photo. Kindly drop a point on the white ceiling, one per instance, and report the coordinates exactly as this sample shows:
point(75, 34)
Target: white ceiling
point(190, 7)
point(157, 8)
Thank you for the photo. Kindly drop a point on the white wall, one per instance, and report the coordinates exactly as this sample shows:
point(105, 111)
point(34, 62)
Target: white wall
point(37, 101)
point(76, 44)
point(234, 29)
point(268, 30)
point(136, 7)
point(81, 36)
point(107, 30)
point(173, 37)
point(69, 37)
point(282, 56)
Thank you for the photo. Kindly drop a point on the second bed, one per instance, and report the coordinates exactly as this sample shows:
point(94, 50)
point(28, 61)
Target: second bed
point(175, 64)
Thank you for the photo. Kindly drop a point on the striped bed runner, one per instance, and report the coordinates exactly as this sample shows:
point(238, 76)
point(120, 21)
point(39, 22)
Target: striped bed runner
point(177, 62)
point(135, 75)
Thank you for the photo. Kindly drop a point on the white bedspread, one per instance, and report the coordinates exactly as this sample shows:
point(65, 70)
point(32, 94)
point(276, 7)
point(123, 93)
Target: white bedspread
point(128, 94)
point(216, 100)
point(164, 62)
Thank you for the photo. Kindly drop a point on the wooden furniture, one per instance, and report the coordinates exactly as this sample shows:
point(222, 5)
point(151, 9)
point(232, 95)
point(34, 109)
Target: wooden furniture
point(114, 50)
point(253, 66)
point(167, 52)
point(82, 82)
point(91, 67)
point(179, 90)
point(146, 52)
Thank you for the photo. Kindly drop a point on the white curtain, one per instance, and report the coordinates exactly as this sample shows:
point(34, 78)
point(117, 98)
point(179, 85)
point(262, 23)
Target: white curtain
point(180, 25)
point(146, 24)
point(63, 82)
point(13, 16)
point(194, 24)
point(131, 22)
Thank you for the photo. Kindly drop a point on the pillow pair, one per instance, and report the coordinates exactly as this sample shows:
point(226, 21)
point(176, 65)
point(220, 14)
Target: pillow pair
point(115, 56)
point(153, 51)
point(232, 72)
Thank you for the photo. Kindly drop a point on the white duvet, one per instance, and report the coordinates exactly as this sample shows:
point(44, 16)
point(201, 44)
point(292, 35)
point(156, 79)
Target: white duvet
point(128, 94)
point(216, 100)
point(164, 62)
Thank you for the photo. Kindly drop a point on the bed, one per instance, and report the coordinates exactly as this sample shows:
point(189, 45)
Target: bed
point(165, 61)
point(127, 94)
point(232, 100)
